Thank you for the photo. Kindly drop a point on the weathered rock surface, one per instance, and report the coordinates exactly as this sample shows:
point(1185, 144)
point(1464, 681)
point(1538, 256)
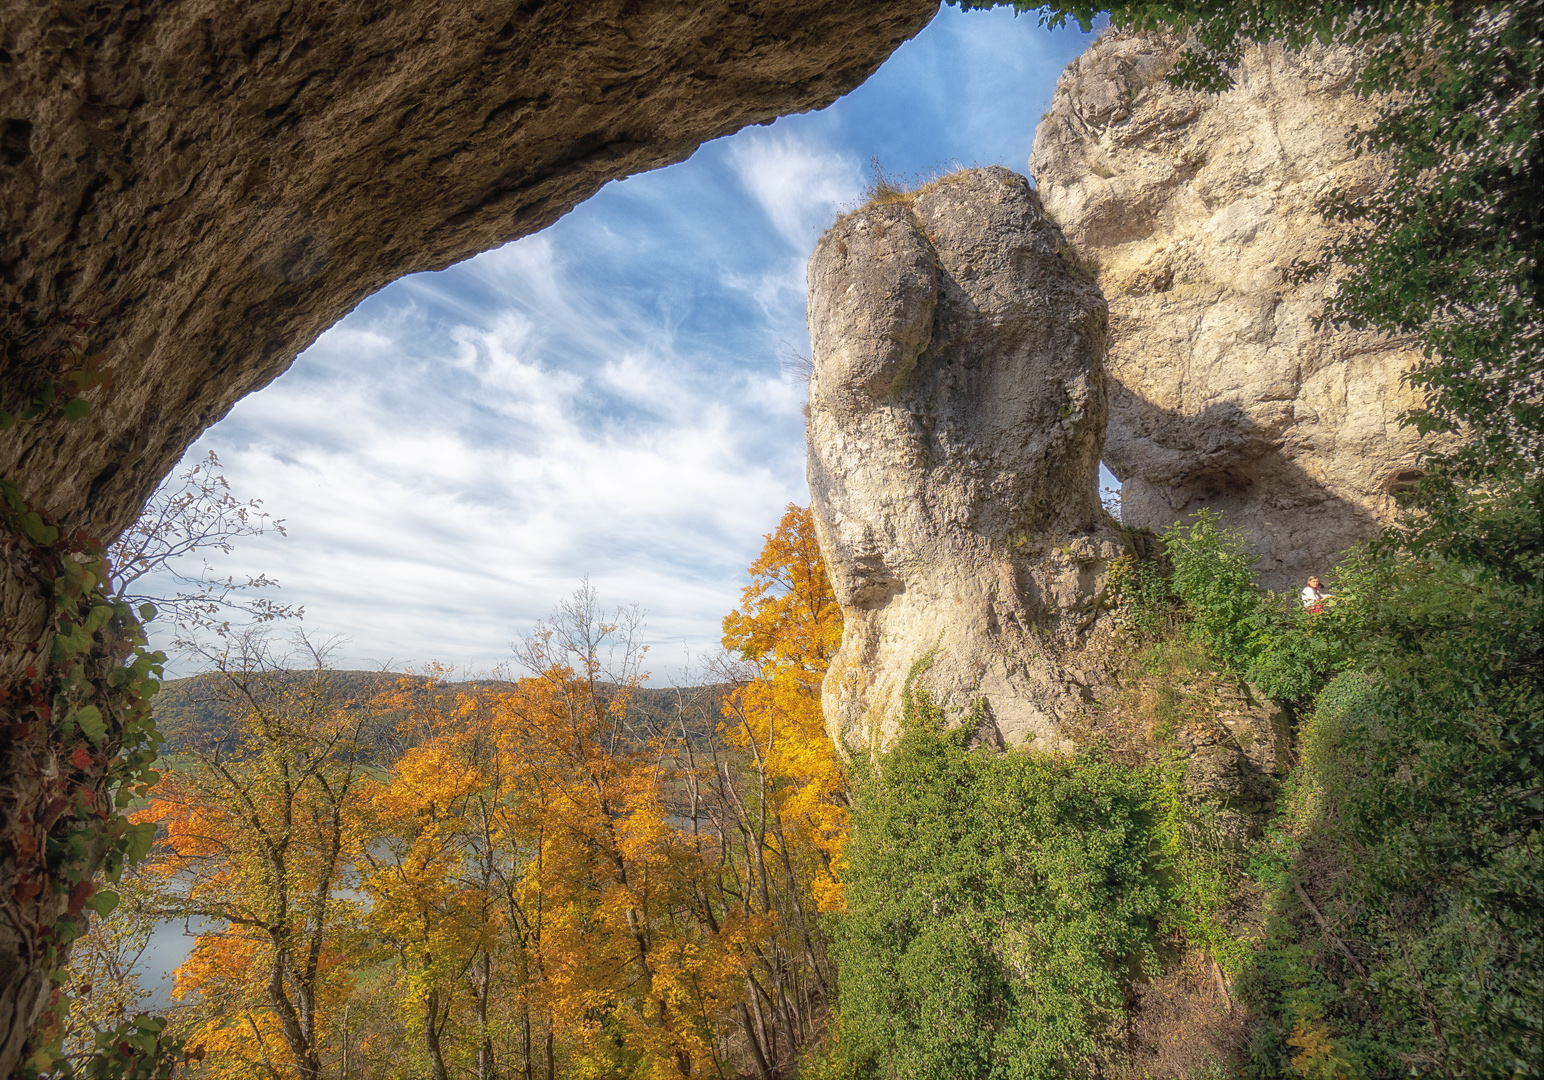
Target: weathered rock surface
point(1193, 206)
point(207, 185)
point(1234, 761)
point(956, 415)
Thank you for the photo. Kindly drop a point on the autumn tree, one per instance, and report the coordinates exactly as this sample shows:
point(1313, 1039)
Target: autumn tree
point(104, 976)
point(780, 793)
point(258, 835)
point(635, 972)
point(545, 905)
point(436, 874)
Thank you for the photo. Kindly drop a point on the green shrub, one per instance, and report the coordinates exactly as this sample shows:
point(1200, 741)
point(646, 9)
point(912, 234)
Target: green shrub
point(1450, 980)
point(1000, 904)
point(1268, 638)
point(1142, 598)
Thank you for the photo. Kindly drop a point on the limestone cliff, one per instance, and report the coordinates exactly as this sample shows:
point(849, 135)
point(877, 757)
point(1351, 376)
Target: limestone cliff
point(1222, 391)
point(956, 416)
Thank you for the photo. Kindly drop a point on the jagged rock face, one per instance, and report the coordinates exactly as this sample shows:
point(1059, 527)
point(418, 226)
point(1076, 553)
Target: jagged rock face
point(212, 184)
point(1193, 206)
point(956, 415)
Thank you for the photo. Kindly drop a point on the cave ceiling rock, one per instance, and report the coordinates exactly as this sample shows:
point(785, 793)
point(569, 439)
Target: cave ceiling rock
point(193, 190)
point(210, 185)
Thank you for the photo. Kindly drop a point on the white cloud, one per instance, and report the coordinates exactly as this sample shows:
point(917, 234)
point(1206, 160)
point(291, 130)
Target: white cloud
point(603, 398)
point(444, 482)
point(800, 184)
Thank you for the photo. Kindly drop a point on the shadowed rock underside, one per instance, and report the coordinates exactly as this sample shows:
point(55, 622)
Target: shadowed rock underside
point(198, 188)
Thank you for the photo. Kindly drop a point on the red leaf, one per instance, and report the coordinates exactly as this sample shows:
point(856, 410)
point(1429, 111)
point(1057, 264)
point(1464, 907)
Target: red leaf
point(79, 895)
point(27, 890)
point(81, 759)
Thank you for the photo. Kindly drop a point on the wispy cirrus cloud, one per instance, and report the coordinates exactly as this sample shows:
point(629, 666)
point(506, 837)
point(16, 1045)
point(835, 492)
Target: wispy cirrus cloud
point(799, 183)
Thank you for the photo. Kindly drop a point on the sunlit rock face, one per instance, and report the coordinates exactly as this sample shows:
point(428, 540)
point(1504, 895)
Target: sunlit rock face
point(1192, 207)
point(956, 415)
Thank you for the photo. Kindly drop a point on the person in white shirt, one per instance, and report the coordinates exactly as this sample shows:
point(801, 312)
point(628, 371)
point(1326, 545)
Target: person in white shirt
point(1314, 595)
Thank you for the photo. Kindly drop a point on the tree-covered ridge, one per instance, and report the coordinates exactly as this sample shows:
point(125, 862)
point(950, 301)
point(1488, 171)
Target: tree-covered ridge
point(195, 711)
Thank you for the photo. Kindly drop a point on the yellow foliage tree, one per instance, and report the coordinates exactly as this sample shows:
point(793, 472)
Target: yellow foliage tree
point(636, 971)
point(788, 626)
point(555, 883)
point(430, 881)
point(785, 799)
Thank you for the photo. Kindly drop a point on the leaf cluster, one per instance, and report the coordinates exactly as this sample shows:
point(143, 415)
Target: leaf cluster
point(81, 723)
point(1209, 595)
point(54, 385)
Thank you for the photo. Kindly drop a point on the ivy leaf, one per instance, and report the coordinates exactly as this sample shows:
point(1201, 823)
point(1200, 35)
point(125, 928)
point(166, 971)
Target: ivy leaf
point(137, 840)
point(76, 409)
point(89, 719)
point(39, 533)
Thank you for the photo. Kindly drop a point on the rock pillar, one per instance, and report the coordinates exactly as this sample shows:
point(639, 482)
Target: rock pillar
point(956, 416)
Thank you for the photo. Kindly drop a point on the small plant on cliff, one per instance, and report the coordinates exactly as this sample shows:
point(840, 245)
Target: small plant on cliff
point(82, 740)
point(193, 513)
point(1268, 638)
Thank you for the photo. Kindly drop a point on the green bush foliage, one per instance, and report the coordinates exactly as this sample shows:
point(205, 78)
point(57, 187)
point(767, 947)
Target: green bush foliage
point(1000, 904)
point(1417, 808)
point(1449, 981)
point(1209, 594)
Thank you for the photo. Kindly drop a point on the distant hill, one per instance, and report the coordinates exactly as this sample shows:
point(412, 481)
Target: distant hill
point(196, 711)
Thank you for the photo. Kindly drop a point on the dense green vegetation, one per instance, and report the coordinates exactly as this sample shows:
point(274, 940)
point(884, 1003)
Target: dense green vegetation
point(1412, 814)
point(999, 905)
point(1006, 910)
point(1415, 813)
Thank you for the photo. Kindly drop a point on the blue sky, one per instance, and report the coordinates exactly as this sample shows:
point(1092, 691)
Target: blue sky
point(606, 398)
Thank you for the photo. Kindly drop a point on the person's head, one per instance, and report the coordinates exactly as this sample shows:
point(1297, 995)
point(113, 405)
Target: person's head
point(1315, 583)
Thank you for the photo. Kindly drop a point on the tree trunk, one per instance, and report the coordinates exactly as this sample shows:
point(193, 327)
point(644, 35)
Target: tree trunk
point(750, 1036)
point(484, 1040)
point(432, 1036)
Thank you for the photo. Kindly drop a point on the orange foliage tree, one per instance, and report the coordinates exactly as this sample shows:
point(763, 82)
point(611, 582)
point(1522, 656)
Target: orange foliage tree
point(258, 832)
point(531, 842)
point(634, 971)
point(540, 878)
